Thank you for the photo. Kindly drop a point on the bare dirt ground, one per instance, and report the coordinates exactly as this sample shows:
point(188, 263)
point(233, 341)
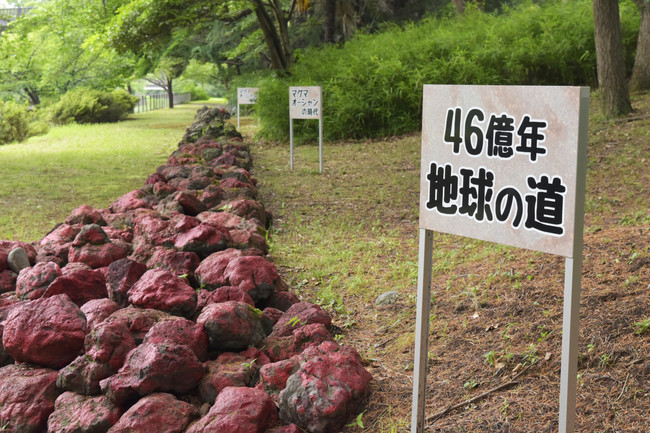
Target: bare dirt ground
point(496, 322)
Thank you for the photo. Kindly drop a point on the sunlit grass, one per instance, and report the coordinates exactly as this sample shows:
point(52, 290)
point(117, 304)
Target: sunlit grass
point(45, 178)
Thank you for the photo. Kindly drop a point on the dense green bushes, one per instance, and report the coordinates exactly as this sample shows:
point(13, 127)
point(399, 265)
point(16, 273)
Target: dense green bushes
point(92, 106)
point(17, 123)
point(372, 86)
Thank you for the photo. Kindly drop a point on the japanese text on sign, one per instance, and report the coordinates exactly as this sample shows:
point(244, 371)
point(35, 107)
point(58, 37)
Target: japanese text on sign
point(499, 168)
point(247, 95)
point(305, 102)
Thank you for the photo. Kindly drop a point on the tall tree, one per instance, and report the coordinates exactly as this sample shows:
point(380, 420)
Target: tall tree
point(609, 57)
point(641, 72)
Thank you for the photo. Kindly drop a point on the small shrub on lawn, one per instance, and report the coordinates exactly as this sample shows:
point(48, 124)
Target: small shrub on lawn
point(92, 106)
point(17, 123)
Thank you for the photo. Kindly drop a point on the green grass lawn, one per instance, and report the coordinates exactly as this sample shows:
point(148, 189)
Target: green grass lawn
point(45, 178)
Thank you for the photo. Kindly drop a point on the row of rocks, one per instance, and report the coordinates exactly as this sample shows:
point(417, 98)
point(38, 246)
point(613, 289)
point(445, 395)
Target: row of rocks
point(162, 313)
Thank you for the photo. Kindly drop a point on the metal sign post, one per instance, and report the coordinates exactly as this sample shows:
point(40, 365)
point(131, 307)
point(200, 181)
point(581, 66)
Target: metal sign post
point(505, 164)
point(246, 96)
point(306, 103)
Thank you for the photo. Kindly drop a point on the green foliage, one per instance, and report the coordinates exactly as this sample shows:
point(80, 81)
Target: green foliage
point(372, 86)
point(17, 123)
point(92, 106)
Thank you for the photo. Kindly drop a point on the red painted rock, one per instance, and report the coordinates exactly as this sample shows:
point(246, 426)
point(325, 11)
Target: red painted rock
point(254, 274)
point(203, 240)
point(31, 283)
point(176, 262)
point(212, 196)
point(162, 367)
point(97, 310)
point(8, 281)
point(327, 390)
point(27, 396)
point(129, 201)
point(85, 214)
point(90, 234)
point(298, 315)
point(189, 201)
point(151, 228)
point(48, 332)
point(274, 376)
point(226, 219)
point(97, 256)
point(74, 413)
point(291, 428)
point(160, 289)
point(81, 286)
point(224, 294)
point(55, 245)
point(180, 223)
point(159, 413)
point(281, 300)
point(122, 275)
point(209, 273)
point(6, 247)
point(278, 348)
point(231, 326)
point(245, 239)
point(180, 331)
point(238, 410)
point(138, 320)
point(249, 209)
point(229, 369)
point(163, 189)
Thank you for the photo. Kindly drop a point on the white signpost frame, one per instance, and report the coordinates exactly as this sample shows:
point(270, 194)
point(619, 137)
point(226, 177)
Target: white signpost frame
point(246, 96)
point(306, 103)
point(505, 164)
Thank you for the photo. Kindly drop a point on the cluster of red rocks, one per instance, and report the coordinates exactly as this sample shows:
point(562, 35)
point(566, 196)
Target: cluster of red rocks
point(161, 313)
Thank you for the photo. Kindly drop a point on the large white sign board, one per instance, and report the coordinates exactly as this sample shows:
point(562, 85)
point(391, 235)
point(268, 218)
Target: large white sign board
point(246, 96)
point(306, 103)
point(504, 164)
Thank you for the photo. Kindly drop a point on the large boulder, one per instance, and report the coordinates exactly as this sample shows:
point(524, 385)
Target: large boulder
point(299, 315)
point(130, 201)
point(203, 239)
point(238, 410)
point(210, 273)
point(106, 348)
point(122, 275)
point(232, 326)
point(255, 274)
point(138, 320)
point(160, 367)
point(74, 413)
point(327, 389)
point(27, 396)
point(229, 369)
point(177, 262)
point(282, 347)
point(32, 282)
point(160, 289)
point(97, 310)
point(158, 412)
point(56, 244)
point(85, 214)
point(81, 286)
point(48, 332)
point(180, 331)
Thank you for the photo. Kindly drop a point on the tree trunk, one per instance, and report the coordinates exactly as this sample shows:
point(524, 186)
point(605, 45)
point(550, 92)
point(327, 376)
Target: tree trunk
point(170, 92)
point(34, 99)
point(609, 57)
point(641, 72)
point(460, 6)
point(273, 43)
point(329, 22)
point(283, 28)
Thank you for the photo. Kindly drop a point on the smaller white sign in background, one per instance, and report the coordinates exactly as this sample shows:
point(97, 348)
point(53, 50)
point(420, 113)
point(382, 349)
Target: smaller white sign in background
point(247, 95)
point(305, 102)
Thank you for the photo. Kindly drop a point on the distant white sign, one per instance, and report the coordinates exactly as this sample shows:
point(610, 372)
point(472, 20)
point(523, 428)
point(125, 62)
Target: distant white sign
point(499, 164)
point(305, 102)
point(247, 95)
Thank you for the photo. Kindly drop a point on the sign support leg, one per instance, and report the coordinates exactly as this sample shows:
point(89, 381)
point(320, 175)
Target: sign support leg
point(320, 144)
point(291, 143)
point(422, 331)
point(237, 116)
point(570, 335)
